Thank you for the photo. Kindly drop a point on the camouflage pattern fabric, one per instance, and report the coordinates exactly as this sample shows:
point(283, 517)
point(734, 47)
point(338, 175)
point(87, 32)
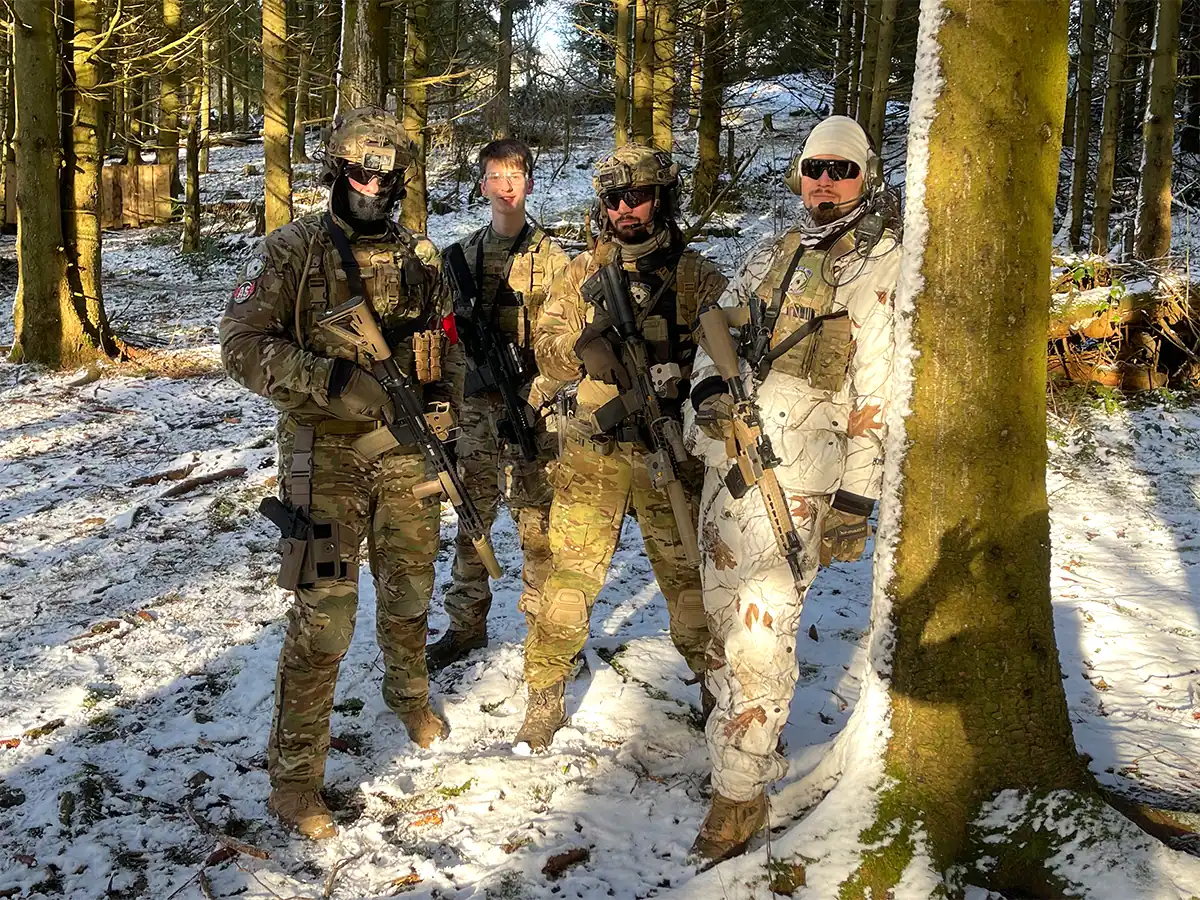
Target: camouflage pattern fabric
point(490, 469)
point(270, 344)
point(592, 494)
point(371, 500)
point(829, 441)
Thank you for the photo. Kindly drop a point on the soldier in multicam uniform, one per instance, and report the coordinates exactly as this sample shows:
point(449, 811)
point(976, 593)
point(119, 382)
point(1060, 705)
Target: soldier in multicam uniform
point(598, 481)
point(270, 342)
point(822, 407)
point(513, 265)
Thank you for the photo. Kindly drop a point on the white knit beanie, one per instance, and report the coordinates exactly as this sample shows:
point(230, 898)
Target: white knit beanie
point(838, 136)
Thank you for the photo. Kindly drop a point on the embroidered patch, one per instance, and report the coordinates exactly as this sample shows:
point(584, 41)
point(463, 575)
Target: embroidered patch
point(244, 291)
point(255, 266)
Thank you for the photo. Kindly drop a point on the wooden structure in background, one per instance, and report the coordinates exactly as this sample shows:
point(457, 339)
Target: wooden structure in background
point(131, 196)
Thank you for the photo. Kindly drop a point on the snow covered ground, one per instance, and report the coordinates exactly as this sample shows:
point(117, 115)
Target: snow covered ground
point(139, 631)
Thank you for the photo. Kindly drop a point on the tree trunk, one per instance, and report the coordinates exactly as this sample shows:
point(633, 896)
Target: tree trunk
point(708, 139)
point(1108, 130)
point(883, 71)
point(137, 117)
point(277, 133)
point(170, 86)
point(205, 94)
point(227, 112)
point(365, 77)
point(870, 45)
point(643, 74)
point(841, 75)
point(347, 66)
point(1083, 119)
point(504, 56)
point(243, 56)
point(6, 128)
point(1068, 136)
point(1158, 138)
point(665, 12)
point(190, 239)
point(49, 328)
point(304, 50)
point(622, 39)
point(696, 82)
point(856, 53)
point(1189, 134)
point(83, 162)
point(415, 205)
point(977, 703)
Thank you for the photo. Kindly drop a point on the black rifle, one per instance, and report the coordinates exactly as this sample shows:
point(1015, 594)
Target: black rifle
point(665, 437)
point(407, 423)
point(496, 365)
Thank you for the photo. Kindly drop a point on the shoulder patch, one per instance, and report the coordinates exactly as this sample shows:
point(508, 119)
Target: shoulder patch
point(244, 291)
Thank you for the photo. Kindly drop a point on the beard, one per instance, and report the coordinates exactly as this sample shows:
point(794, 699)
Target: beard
point(632, 232)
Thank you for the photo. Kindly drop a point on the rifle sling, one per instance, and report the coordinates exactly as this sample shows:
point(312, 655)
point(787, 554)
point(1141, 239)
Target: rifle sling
point(794, 338)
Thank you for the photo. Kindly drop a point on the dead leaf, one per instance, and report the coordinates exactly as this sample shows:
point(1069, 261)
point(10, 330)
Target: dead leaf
point(94, 520)
point(426, 817)
point(220, 855)
point(146, 616)
point(26, 859)
point(44, 729)
point(10, 743)
point(559, 863)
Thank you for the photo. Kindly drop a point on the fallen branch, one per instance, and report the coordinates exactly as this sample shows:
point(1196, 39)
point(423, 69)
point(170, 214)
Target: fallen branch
point(190, 484)
point(168, 475)
point(333, 873)
point(224, 839)
point(734, 177)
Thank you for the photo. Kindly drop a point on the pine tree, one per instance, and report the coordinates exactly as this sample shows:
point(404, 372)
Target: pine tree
point(277, 132)
point(1158, 138)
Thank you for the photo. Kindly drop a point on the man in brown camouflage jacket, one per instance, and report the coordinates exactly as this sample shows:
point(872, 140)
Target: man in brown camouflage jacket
point(601, 476)
point(512, 263)
point(271, 343)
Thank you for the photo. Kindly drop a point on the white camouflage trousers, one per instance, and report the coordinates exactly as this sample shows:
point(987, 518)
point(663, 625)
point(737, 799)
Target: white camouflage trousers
point(753, 610)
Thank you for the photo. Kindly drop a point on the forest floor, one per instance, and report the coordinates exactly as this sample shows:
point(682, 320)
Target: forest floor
point(139, 631)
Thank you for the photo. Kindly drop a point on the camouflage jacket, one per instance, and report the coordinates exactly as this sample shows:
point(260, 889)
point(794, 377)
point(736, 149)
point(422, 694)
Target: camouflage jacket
point(698, 282)
point(270, 341)
point(829, 433)
point(513, 304)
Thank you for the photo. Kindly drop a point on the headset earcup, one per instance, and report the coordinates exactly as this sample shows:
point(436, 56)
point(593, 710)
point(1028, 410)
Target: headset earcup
point(873, 177)
point(792, 178)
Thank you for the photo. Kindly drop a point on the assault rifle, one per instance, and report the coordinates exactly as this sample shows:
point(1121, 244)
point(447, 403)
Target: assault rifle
point(355, 322)
point(649, 382)
point(496, 366)
point(751, 449)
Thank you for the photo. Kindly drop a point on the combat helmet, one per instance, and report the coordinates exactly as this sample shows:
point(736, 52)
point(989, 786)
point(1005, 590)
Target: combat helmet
point(638, 165)
point(370, 137)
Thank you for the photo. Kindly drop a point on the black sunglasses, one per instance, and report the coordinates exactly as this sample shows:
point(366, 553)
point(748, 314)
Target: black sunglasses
point(632, 197)
point(364, 176)
point(837, 168)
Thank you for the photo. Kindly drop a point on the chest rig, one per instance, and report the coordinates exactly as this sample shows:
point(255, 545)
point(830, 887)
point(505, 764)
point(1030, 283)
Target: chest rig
point(512, 279)
point(809, 337)
point(397, 283)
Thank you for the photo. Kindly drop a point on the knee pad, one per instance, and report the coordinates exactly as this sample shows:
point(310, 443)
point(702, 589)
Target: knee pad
point(566, 609)
point(689, 611)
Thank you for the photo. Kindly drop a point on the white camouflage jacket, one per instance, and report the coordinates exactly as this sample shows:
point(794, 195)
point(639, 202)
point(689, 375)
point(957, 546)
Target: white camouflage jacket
point(829, 442)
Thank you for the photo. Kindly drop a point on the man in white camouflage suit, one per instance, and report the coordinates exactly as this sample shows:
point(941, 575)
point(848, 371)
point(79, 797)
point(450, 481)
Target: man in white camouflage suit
point(822, 400)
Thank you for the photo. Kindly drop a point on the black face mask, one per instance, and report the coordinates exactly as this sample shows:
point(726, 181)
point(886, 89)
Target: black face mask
point(364, 213)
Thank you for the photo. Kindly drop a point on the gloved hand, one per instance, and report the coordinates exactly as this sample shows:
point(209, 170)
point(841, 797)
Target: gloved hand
point(844, 538)
point(599, 357)
point(355, 391)
point(714, 416)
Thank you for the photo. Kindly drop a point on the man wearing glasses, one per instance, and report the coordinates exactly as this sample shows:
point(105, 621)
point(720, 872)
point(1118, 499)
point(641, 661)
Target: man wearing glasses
point(272, 342)
point(817, 351)
point(603, 474)
point(511, 263)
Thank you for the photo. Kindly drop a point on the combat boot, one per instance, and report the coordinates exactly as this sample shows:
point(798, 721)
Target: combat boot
point(424, 726)
point(453, 646)
point(302, 811)
point(729, 826)
point(544, 715)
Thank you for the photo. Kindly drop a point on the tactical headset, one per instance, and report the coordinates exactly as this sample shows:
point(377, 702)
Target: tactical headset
point(872, 173)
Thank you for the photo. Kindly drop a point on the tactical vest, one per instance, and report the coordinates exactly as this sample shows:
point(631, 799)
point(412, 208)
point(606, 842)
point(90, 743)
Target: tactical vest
point(668, 326)
point(513, 304)
point(394, 279)
point(823, 357)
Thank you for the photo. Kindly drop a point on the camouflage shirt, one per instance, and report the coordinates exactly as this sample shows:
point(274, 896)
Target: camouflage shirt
point(667, 329)
point(270, 341)
point(513, 304)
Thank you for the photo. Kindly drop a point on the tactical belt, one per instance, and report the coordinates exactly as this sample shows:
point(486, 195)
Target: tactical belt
point(300, 475)
point(323, 427)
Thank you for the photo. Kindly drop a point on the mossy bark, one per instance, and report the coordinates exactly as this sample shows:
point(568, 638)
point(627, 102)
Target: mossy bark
point(708, 137)
point(977, 704)
point(643, 71)
point(1083, 119)
point(1106, 166)
point(622, 44)
point(665, 12)
point(414, 210)
point(1158, 137)
point(883, 71)
point(169, 102)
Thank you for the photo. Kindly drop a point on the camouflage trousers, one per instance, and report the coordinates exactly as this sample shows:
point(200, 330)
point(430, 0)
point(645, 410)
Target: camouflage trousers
point(592, 494)
point(753, 614)
point(490, 471)
point(372, 500)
